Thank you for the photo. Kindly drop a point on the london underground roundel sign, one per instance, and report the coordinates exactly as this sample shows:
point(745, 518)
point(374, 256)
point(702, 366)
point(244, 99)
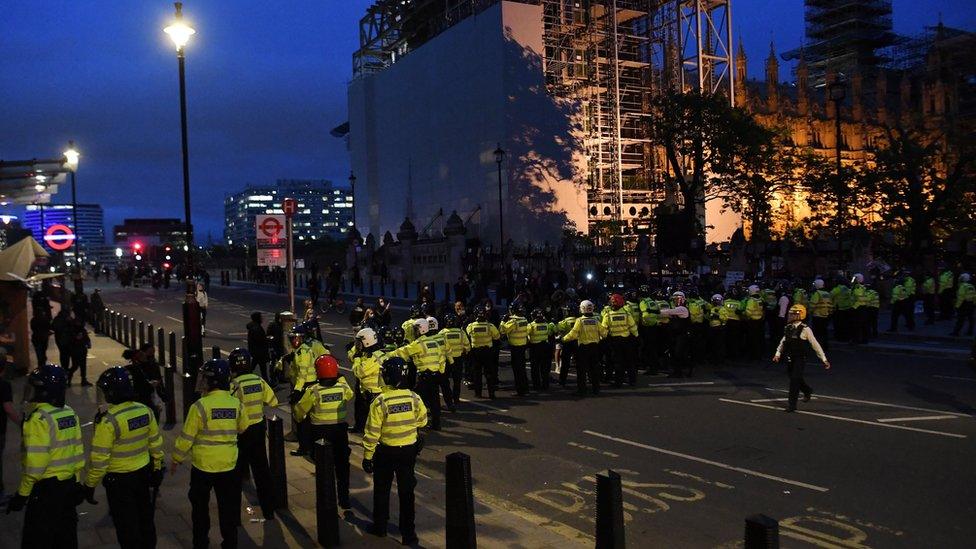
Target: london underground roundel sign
point(59, 237)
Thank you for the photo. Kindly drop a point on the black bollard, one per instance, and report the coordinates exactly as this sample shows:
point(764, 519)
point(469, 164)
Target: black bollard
point(142, 334)
point(609, 511)
point(132, 333)
point(215, 352)
point(111, 322)
point(125, 330)
point(172, 350)
point(160, 346)
point(326, 508)
point(189, 381)
point(762, 532)
point(151, 335)
point(276, 461)
point(460, 526)
point(170, 379)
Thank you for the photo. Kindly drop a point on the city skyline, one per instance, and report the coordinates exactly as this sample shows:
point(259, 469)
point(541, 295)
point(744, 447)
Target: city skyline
point(264, 88)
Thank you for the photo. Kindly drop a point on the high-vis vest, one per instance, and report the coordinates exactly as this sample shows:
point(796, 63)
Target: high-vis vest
point(874, 300)
point(125, 438)
point(732, 307)
point(619, 323)
point(456, 341)
point(800, 297)
point(717, 316)
point(946, 281)
point(696, 311)
point(325, 405)
point(649, 312)
point(254, 394)
point(898, 294)
point(754, 308)
point(841, 297)
point(859, 296)
point(662, 319)
point(366, 368)
point(302, 370)
point(541, 331)
point(565, 325)
point(821, 304)
point(393, 420)
point(516, 328)
point(482, 334)
point(210, 432)
point(427, 354)
point(587, 330)
point(52, 446)
point(928, 287)
point(965, 294)
point(409, 334)
point(910, 285)
point(634, 310)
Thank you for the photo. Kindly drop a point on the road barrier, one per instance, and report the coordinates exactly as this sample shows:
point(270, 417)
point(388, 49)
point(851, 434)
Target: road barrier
point(276, 462)
point(609, 511)
point(762, 532)
point(459, 502)
point(326, 508)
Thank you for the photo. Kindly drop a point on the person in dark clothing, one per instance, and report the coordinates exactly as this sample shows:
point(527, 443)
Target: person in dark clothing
point(7, 410)
point(97, 309)
point(797, 338)
point(147, 379)
point(384, 314)
point(78, 349)
point(61, 325)
point(40, 327)
point(257, 344)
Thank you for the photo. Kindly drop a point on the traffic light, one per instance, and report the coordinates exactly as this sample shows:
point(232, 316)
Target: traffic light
point(167, 248)
point(137, 247)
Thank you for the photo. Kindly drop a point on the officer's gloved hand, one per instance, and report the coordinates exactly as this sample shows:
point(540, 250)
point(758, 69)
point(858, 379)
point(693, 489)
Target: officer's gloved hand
point(156, 478)
point(16, 503)
point(368, 466)
point(85, 493)
point(420, 443)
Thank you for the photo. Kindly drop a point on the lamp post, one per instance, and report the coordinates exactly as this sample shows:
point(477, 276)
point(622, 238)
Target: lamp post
point(180, 33)
point(352, 185)
point(71, 157)
point(837, 91)
point(499, 158)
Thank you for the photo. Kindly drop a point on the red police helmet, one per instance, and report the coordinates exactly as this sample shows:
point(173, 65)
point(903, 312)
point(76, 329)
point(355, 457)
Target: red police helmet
point(326, 367)
point(616, 301)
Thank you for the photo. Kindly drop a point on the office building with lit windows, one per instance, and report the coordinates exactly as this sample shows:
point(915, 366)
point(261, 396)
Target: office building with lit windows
point(89, 226)
point(324, 210)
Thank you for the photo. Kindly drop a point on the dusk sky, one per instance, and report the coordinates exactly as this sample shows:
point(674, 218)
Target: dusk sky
point(266, 81)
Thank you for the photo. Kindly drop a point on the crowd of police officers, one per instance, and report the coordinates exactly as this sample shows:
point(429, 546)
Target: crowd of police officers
point(401, 373)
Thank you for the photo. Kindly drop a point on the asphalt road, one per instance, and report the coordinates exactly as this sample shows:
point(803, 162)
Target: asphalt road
point(881, 457)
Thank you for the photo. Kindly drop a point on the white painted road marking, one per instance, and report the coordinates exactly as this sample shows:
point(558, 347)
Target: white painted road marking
point(490, 407)
point(710, 462)
point(917, 418)
point(955, 378)
point(875, 403)
point(852, 420)
point(175, 319)
point(681, 384)
point(150, 310)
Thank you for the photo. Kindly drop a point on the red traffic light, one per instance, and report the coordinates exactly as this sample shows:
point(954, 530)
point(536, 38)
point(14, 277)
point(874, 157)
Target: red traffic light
point(166, 266)
point(137, 246)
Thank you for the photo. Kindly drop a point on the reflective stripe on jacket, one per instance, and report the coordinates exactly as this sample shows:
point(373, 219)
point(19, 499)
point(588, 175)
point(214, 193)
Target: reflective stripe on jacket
point(125, 438)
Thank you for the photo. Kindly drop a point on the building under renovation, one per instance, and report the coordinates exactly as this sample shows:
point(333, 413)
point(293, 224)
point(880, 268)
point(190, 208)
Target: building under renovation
point(562, 87)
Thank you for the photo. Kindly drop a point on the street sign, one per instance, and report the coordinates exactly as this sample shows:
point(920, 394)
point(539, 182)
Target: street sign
point(271, 240)
point(59, 237)
point(289, 206)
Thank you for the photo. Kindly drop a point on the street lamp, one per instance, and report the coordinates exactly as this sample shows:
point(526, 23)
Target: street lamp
point(71, 157)
point(837, 91)
point(180, 33)
point(499, 158)
point(352, 185)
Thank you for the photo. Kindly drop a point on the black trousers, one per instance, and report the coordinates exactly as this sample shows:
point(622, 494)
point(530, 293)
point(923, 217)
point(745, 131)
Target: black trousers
point(455, 377)
point(794, 367)
point(302, 429)
point(50, 521)
point(227, 486)
point(79, 361)
point(716, 344)
point(734, 333)
point(754, 338)
point(566, 355)
point(904, 308)
point(946, 298)
point(588, 366)
point(963, 314)
point(40, 351)
point(518, 369)
point(858, 323)
point(337, 436)
point(841, 324)
point(540, 358)
point(679, 355)
point(819, 326)
point(131, 508)
point(622, 356)
point(647, 354)
point(252, 453)
point(484, 362)
point(928, 305)
point(398, 461)
point(698, 331)
point(445, 378)
point(64, 355)
point(428, 387)
point(361, 406)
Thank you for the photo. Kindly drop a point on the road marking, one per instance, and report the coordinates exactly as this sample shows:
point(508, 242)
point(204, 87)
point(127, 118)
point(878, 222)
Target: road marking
point(784, 399)
point(237, 334)
point(150, 310)
point(955, 378)
point(710, 462)
point(852, 420)
point(917, 418)
point(875, 403)
point(175, 319)
point(681, 384)
point(214, 331)
point(490, 407)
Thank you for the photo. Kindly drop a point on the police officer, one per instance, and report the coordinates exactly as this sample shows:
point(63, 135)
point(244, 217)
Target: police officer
point(679, 320)
point(210, 437)
point(859, 310)
point(754, 313)
point(390, 447)
point(516, 328)
point(458, 346)
point(541, 335)
point(588, 332)
point(840, 296)
point(429, 357)
point(53, 457)
point(797, 337)
point(254, 394)
point(366, 368)
point(565, 350)
point(325, 405)
point(301, 373)
point(484, 361)
point(821, 308)
point(127, 458)
point(965, 303)
point(622, 331)
point(434, 332)
point(717, 316)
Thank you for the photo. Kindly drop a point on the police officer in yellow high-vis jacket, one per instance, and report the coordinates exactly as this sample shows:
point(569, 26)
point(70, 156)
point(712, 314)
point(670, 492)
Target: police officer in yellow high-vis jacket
point(391, 443)
point(53, 456)
point(458, 346)
point(210, 438)
point(324, 404)
point(622, 331)
point(516, 328)
point(127, 458)
point(542, 333)
point(484, 361)
point(366, 367)
point(301, 373)
point(588, 332)
point(252, 452)
point(430, 359)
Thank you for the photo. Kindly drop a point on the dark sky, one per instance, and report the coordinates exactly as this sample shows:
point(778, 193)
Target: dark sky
point(266, 81)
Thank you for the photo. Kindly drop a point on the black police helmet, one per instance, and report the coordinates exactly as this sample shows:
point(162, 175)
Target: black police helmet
point(538, 314)
point(451, 320)
point(395, 335)
point(216, 372)
point(414, 311)
point(394, 372)
point(517, 309)
point(240, 360)
point(48, 383)
point(480, 313)
point(116, 384)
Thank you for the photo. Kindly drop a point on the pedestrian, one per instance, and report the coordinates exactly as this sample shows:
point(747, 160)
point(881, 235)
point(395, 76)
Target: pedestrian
point(40, 326)
point(252, 453)
point(147, 379)
point(63, 337)
point(515, 327)
point(78, 348)
point(257, 344)
point(383, 312)
point(97, 309)
point(7, 412)
point(324, 404)
point(717, 317)
point(458, 346)
point(203, 300)
point(965, 303)
point(127, 458)
point(901, 306)
point(209, 436)
point(430, 358)
point(840, 297)
point(797, 338)
point(929, 298)
point(588, 332)
point(391, 444)
point(50, 464)
point(484, 360)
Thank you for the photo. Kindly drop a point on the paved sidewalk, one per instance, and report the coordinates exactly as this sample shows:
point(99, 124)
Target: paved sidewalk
point(499, 523)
